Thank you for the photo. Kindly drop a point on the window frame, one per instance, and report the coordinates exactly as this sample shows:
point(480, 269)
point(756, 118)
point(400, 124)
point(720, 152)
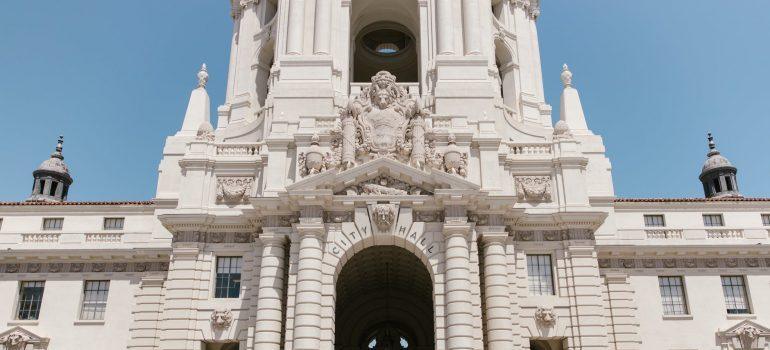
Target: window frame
point(215, 287)
point(685, 302)
point(745, 294)
point(83, 301)
point(720, 216)
point(551, 272)
point(661, 216)
point(19, 300)
point(765, 219)
point(61, 226)
point(122, 221)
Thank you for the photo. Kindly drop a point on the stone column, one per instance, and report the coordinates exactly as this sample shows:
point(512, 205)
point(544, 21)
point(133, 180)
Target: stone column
point(267, 333)
point(459, 315)
point(307, 313)
point(471, 27)
point(296, 27)
point(444, 32)
point(496, 294)
point(323, 24)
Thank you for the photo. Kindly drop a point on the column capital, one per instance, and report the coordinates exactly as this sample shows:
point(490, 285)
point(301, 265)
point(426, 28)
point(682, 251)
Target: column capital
point(311, 230)
point(492, 234)
point(457, 229)
point(271, 238)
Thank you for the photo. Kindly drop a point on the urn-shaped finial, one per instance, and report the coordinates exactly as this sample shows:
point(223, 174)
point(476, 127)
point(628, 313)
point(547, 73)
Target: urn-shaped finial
point(314, 158)
point(203, 76)
point(454, 160)
point(566, 76)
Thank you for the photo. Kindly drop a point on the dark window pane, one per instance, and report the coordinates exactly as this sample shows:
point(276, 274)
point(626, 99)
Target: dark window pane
point(228, 277)
point(734, 288)
point(540, 275)
point(30, 298)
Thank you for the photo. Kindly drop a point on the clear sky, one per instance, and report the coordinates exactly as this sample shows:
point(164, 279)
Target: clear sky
point(114, 78)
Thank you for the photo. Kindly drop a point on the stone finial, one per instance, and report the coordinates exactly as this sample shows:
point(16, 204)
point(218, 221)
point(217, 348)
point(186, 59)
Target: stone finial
point(566, 76)
point(712, 144)
point(59, 148)
point(203, 76)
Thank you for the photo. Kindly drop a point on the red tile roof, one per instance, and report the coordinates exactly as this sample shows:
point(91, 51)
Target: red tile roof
point(687, 200)
point(124, 203)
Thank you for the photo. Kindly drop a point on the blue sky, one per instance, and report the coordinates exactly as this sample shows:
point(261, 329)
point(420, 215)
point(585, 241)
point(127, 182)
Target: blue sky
point(114, 78)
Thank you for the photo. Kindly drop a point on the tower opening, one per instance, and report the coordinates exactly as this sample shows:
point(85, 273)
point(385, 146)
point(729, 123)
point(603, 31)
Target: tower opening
point(383, 38)
point(384, 301)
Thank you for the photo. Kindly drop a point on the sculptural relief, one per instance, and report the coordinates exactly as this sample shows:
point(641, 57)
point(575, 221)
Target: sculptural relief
point(384, 215)
point(221, 319)
point(384, 186)
point(15, 341)
point(234, 189)
point(533, 188)
point(381, 122)
point(545, 316)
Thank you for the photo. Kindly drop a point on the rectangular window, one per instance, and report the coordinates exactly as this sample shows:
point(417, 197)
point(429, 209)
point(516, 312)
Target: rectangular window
point(672, 295)
point(654, 221)
point(94, 300)
point(713, 220)
point(736, 300)
point(113, 223)
point(30, 298)
point(765, 219)
point(53, 223)
point(540, 274)
point(228, 283)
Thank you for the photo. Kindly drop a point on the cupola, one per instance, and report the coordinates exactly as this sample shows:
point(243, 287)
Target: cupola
point(52, 178)
point(718, 174)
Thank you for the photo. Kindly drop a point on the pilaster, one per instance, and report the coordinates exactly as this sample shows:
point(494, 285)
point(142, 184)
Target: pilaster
point(147, 313)
point(584, 288)
point(178, 327)
point(621, 309)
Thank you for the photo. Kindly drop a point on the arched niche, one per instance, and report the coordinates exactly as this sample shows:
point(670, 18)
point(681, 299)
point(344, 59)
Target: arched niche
point(393, 26)
point(384, 294)
point(506, 73)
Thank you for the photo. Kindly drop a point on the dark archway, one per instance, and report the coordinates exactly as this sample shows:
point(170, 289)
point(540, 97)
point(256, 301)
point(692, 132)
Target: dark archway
point(384, 301)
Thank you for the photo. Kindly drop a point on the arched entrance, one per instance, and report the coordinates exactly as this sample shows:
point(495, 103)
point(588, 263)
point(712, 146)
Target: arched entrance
point(384, 301)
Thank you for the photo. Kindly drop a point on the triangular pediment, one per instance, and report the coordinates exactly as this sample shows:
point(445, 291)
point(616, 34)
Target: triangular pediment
point(382, 176)
point(19, 335)
point(747, 323)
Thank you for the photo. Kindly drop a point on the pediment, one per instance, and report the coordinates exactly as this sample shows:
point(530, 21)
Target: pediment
point(18, 338)
point(747, 323)
point(381, 176)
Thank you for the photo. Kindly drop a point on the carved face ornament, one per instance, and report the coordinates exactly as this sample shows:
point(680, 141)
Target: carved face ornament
point(384, 215)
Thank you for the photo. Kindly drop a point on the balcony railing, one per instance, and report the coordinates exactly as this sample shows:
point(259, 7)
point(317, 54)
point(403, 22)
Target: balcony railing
point(724, 233)
point(664, 234)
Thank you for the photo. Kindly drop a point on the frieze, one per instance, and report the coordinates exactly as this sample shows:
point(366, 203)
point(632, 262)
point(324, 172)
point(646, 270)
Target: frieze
point(383, 186)
point(429, 216)
point(554, 235)
point(212, 237)
point(336, 217)
point(682, 263)
point(102, 267)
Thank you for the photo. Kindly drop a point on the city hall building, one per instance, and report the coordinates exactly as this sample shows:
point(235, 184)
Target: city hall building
point(385, 175)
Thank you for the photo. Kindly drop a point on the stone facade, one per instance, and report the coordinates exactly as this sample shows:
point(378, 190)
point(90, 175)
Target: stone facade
point(433, 206)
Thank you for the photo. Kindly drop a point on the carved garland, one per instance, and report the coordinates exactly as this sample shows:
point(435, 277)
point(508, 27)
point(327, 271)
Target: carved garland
point(234, 189)
point(533, 188)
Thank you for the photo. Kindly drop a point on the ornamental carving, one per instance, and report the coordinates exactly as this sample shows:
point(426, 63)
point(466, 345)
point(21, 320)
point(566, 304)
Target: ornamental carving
point(17, 340)
point(381, 122)
point(234, 189)
point(221, 319)
point(747, 335)
point(314, 160)
point(337, 217)
point(533, 188)
point(429, 216)
point(383, 186)
point(384, 215)
point(454, 161)
point(545, 316)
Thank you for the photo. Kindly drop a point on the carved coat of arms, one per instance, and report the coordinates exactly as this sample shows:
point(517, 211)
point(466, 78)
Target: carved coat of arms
point(381, 122)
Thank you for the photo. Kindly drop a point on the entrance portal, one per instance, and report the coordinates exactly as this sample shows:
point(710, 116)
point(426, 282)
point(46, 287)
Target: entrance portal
point(384, 302)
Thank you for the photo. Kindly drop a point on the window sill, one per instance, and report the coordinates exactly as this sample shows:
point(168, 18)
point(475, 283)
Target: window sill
point(23, 322)
point(741, 316)
point(89, 323)
point(677, 317)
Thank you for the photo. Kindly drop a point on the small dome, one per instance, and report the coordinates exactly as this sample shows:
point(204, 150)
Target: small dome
point(716, 161)
point(55, 164)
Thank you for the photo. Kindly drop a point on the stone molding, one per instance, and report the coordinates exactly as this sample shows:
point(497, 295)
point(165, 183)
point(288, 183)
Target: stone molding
point(553, 235)
point(212, 237)
point(81, 267)
point(18, 338)
point(683, 263)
